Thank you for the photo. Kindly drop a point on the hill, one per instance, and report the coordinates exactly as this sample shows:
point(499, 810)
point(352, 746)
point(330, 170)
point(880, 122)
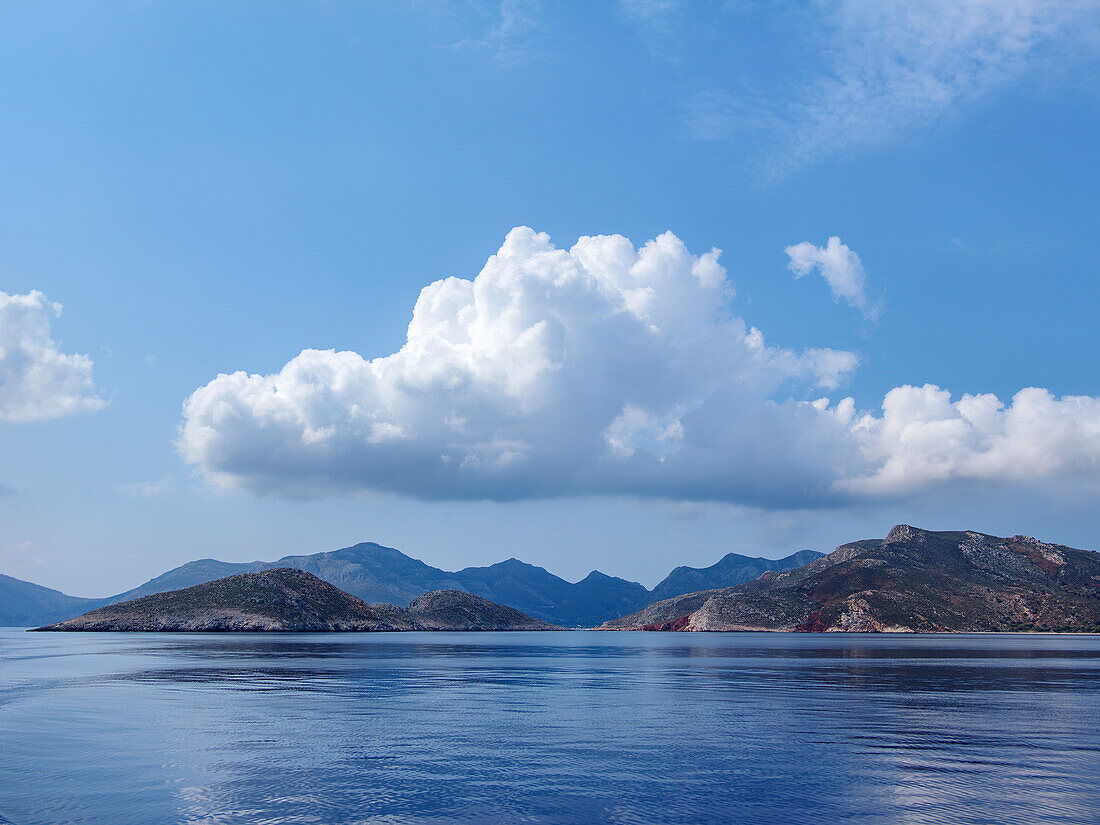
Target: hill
point(287, 599)
point(912, 581)
point(457, 610)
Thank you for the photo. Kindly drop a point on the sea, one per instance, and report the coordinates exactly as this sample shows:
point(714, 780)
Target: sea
point(559, 727)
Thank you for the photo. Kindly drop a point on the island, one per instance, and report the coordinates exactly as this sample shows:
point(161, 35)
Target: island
point(287, 599)
point(912, 581)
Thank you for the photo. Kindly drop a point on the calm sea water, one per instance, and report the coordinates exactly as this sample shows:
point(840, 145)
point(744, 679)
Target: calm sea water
point(568, 727)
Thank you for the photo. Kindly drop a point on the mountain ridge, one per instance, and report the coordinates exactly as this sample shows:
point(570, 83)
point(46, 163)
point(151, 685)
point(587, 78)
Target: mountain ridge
point(731, 566)
point(376, 574)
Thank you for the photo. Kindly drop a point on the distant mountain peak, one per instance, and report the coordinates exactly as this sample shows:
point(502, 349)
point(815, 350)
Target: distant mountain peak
point(731, 556)
point(596, 575)
point(366, 547)
point(903, 532)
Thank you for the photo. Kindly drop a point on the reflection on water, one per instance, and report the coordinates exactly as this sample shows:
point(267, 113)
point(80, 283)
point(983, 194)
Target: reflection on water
point(568, 727)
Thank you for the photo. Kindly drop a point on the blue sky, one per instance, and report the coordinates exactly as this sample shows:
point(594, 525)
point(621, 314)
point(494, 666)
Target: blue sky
point(209, 188)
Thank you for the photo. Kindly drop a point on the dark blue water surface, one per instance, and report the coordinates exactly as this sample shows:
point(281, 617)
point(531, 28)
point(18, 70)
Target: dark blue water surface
point(570, 727)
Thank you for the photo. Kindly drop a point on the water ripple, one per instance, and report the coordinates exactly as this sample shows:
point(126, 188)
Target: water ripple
point(573, 727)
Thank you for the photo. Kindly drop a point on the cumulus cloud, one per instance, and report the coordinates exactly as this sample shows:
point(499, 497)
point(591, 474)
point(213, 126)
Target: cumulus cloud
point(842, 270)
point(609, 369)
point(891, 69)
point(602, 368)
point(37, 380)
point(923, 439)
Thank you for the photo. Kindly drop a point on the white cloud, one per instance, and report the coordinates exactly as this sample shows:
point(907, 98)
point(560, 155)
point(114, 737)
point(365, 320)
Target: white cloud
point(840, 267)
point(37, 380)
point(922, 439)
point(552, 372)
point(612, 370)
point(889, 69)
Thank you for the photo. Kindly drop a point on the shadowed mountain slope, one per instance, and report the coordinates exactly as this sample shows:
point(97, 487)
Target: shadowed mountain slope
point(195, 572)
point(732, 569)
point(913, 580)
point(23, 604)
point(541, 593)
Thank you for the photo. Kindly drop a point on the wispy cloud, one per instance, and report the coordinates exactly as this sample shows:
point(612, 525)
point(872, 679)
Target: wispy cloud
point(842, 270)
point(146, 489)
point(656, 22)
point(891, 69)
point(510, 31)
